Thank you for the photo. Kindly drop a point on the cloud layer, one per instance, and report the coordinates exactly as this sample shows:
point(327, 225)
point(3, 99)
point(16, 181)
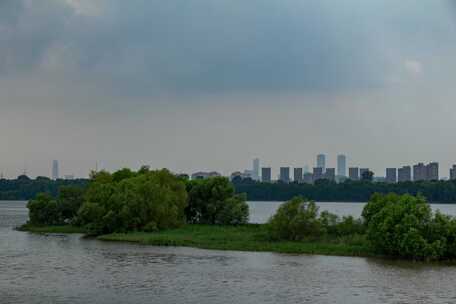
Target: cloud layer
point(83, 67)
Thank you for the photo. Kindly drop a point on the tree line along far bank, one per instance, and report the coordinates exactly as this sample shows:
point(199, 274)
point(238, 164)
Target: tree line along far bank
point(24, 188)
point(153, 201)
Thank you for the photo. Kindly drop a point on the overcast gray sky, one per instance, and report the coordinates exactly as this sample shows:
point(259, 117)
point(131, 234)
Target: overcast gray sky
point(204, 84)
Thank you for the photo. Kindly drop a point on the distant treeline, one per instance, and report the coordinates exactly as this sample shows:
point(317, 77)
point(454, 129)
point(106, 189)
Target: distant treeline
point(24, 188)
point(348, 191)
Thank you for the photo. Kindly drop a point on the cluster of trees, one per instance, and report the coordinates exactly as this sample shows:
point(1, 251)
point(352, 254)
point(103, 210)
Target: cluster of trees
point(405, 226)
point(348, 191)
point(299, 219)
point(145, 200)
point(25, 188)
point(392, 225)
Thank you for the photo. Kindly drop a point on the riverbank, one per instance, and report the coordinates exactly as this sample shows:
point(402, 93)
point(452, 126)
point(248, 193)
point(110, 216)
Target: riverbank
point(52, 229)
point(235, 238)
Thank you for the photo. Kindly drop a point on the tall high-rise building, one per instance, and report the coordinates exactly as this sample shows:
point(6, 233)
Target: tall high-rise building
point(363, 171)
point(341, 165)
point(308, 178)
point(284, 174)
point(266, 175)
point(432, 171)
point(353, 173)
point(321, 162)
point(297, 175)
point(317, 173)
point(55, 169)
point(256, 169)
point(453, 173)
point(330, 174)
point(419, 172)
point(391, 175)
point(404, 174)
point(306, 169)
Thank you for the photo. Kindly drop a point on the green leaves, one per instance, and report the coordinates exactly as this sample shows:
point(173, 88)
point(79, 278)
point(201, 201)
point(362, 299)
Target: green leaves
point(404, 226)
point(213, 201)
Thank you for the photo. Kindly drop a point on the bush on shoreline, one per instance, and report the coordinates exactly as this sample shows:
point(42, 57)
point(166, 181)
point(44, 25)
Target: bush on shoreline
point(299, 219)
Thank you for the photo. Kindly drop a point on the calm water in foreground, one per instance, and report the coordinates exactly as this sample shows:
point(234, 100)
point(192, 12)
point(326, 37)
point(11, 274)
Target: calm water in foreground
point(68, 269)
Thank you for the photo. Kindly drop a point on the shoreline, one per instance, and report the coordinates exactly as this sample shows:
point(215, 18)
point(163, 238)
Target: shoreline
point(251, 238)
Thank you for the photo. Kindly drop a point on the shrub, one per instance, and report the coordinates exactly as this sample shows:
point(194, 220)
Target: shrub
point(213, 201)
point(295, 220)
point(405, 226)
point(43, 210)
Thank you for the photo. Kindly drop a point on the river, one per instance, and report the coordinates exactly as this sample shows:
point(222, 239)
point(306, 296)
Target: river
point(57, 268)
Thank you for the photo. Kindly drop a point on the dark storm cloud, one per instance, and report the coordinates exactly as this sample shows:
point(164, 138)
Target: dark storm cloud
point(198, 45)
point(144, 47)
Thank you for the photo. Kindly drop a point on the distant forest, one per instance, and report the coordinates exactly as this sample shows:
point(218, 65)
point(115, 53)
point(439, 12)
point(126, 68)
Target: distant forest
point(24, 188)
point(348, 191)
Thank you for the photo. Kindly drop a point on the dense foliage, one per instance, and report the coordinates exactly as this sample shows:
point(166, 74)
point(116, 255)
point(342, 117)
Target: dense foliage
point(141, 201)
point(45, 210)
point(391, 225)
point(405, 226)
point(213, 201)
point(147, 201)
point(24, 188)
point(348, 191)
point(299, 219)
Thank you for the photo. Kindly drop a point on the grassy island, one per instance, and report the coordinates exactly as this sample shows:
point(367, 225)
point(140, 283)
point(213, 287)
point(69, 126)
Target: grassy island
point(235, 238)
point(160, 208)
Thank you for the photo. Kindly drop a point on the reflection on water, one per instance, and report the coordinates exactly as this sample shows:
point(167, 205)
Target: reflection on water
point(69, 269)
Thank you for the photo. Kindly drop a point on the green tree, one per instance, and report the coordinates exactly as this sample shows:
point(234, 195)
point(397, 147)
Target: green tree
point(295, 220)
point(213, 201)
point(43, 210)
point(404, 226)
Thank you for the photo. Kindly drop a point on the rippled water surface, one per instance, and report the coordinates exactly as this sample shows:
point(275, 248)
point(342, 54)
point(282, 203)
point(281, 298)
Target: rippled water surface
point(69, 269)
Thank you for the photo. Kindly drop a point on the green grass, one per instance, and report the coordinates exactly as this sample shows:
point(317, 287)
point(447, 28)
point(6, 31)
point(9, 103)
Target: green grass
point(51, 229)
point(242, 238)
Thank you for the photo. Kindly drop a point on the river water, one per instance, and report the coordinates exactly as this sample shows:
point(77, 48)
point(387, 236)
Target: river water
point(70, 269)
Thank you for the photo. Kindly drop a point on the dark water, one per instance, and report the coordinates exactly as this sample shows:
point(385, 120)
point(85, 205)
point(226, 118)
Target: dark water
point(68, 269)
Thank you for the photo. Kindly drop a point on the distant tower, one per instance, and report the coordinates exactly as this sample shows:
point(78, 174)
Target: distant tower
point(341, 165)
point(321, 162)
point(256, 169)
point(55, 169)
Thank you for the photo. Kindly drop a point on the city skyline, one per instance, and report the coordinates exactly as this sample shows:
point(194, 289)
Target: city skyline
point(274, 171)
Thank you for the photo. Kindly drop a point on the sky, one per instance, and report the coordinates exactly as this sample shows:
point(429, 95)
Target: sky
point(208, 85)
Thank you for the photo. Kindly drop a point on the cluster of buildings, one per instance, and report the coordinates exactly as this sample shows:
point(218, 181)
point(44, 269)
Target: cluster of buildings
point(421, 172)
point(418, 172)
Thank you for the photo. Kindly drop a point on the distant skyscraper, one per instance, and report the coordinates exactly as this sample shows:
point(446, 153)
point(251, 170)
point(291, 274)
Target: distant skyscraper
point(256, 169)
point(330, 174)
point(321, 162)
point(308, 178)
point(285, 174)
point(419, 172)
point(391, 175)
point(55, 169)
point(404, 174)
point(317, 173)
point(363, 171)
point(298, 175)
point(453, 173)
point(341, 165)
point(306, 169)
point(432, 171)
point(353, 173)
point(266, 175)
